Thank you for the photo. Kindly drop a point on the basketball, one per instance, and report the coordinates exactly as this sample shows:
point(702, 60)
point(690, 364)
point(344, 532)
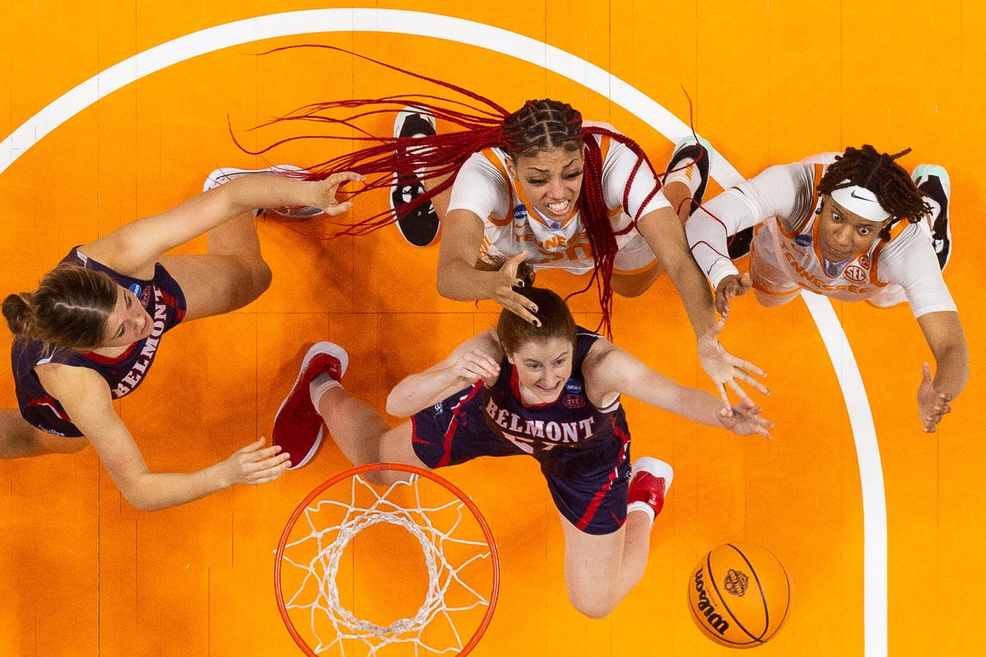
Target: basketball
point(739, 595)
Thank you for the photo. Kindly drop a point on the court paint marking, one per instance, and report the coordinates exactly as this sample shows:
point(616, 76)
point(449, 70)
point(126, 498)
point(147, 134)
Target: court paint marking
point(578, 70)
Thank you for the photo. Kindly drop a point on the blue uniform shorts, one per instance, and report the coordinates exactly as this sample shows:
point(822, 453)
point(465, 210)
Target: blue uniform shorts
point(588, 481)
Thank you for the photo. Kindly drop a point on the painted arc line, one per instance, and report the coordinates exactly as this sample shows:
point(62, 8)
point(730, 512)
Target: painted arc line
point(567, 65)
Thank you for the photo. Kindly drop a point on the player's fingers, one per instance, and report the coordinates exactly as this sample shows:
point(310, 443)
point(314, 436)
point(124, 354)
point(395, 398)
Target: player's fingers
point(738, 389)
point(521, 311)
point(746, 378)
point(338, 208)
point(727, 407)
point(736, 361)
point(926, 372)
point(763, 432)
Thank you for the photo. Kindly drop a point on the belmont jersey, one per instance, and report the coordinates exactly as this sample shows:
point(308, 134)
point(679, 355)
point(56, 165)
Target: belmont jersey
point(571, 421)
point(512, 224)
point(785, 256)
point(161, 297)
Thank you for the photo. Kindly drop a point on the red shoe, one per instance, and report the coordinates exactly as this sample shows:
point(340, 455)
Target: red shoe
point(650, 482)
point(297, 425)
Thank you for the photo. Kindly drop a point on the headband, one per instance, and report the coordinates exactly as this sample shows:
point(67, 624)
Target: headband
point(861, 201)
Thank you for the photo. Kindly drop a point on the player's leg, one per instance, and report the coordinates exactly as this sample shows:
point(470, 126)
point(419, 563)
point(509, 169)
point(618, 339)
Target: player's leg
point(601, 569)
point(633, 284)
point(232, 275)
point(234, 272)
point(18, 439)
point(318, 401)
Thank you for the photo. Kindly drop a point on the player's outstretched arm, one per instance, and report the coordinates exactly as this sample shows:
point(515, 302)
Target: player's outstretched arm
point(458, 277)
point(611, 370)
point(135, 247)
point(478, 358)
point(943, 332)
point(86, 398)
point(664, 233)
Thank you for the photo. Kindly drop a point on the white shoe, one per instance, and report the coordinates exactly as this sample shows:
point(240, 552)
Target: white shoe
point(225, 174)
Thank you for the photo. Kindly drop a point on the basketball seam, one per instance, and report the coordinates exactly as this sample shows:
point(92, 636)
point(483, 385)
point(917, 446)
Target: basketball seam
point(698, 617)
point(708, 561)
point(787, 607)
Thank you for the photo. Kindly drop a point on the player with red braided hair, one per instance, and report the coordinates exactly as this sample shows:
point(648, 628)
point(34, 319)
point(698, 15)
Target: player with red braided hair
point(536, 185)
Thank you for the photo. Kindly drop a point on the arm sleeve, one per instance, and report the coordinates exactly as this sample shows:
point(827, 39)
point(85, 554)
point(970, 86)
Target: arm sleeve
point(781, 191)
point(619, 164)
point(910, 261)
point(480, 188)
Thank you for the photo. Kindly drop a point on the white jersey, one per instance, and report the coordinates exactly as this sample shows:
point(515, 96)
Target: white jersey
point(784, 255)
point(512, 224)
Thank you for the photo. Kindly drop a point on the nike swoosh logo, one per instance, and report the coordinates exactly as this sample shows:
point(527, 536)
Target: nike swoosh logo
point(861, 198)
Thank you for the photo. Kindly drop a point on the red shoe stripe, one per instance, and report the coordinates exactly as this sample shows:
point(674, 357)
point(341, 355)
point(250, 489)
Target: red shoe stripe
point(454, 424)
point(597, 499)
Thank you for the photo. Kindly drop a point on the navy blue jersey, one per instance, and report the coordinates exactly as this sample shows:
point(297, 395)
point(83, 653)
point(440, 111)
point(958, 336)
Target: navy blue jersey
point(161, 297)
point(583, 451)
point(570, 421)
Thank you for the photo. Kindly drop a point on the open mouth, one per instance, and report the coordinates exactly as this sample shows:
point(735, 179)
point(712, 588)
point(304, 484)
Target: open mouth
point(559, 208)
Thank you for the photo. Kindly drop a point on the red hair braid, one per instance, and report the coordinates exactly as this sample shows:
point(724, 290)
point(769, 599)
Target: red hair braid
point(538, 126)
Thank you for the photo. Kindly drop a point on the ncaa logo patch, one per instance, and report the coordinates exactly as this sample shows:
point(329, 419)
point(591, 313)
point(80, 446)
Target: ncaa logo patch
point(136, 289)
point(864, 261)
point(520, 212)
point(573, 401)
point(573, 386)
point(855, 274)
point(803, 240)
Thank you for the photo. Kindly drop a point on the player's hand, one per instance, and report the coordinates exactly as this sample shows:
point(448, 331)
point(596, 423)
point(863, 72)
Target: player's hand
point(733, 285)
point(326, 190)
point(502, 290)
point(474, 365)
point(256, 464)
point(932, 404)
point(745, 419)
point(724, 368)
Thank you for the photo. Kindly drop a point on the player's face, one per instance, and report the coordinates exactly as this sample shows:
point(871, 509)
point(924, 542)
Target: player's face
point(128, 322)
point(551, 180)
point(843, 234)
point(543, 367)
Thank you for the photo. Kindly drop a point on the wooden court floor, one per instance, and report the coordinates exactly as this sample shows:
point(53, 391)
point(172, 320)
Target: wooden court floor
point(83, 573)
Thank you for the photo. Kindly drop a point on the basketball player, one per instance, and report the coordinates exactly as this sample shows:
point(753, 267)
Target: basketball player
point(854, 227)
point(550, 390)
point(89, 334)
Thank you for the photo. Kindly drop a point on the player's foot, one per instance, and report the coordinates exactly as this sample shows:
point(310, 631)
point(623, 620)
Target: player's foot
point(933, 182)
point(739, 244)
point(225, 174)
point(419, 225)
point(690, 164)
point(649, 483)
point(297, 425)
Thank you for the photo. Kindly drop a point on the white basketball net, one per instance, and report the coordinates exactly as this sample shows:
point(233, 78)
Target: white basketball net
point(327, 544)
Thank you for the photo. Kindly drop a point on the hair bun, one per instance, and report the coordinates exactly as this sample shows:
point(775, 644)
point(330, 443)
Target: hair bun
point(19, 313)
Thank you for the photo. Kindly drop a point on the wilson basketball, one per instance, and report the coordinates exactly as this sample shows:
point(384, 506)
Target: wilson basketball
point(739, 595)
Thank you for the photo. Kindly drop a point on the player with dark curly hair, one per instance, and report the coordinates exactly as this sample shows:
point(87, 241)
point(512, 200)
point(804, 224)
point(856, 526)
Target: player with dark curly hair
point(852, 226)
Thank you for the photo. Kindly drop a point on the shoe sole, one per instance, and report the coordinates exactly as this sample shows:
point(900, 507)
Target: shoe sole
point(408, 111)
point(430, 237)
point(333, 350)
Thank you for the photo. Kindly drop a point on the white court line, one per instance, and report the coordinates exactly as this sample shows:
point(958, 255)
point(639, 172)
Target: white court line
point(577, 70)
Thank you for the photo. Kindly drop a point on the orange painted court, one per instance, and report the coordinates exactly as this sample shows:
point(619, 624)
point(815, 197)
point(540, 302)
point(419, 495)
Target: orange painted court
point(112, 111)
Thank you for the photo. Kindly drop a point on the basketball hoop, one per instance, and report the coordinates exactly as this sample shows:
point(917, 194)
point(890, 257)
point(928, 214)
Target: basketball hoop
point(453, 536)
